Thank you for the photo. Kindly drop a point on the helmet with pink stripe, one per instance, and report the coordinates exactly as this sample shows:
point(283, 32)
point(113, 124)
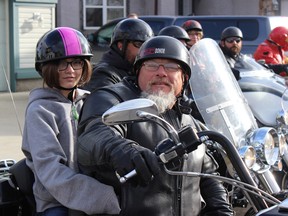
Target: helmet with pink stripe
point(61, 43)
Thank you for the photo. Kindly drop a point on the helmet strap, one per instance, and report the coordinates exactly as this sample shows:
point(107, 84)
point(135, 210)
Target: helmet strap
point(121, 51)
point(184, 104)
point(124, 48)
point(70, 95)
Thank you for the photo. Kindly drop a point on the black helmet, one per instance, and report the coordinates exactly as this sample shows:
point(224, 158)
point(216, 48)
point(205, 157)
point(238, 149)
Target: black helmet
point(192, 25)
point(131, 30)
point(175, 31)
point(61, 43)
point(164, 47)
point(231, 31)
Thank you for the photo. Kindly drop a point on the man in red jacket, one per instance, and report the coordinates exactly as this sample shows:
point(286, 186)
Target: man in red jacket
point(271, 51)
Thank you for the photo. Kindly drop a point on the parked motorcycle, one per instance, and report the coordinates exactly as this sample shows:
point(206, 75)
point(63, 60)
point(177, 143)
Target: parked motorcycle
point(224, 108)
point(266, 95)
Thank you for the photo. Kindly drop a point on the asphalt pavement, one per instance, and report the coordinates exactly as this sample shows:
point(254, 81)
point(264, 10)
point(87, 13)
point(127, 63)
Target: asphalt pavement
point(12, 114)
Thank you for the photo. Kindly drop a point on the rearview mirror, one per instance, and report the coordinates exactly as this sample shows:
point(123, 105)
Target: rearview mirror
point(126, 112)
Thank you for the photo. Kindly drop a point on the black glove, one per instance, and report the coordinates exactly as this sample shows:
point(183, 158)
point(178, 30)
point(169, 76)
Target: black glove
point(280, 69)
point(125, 158)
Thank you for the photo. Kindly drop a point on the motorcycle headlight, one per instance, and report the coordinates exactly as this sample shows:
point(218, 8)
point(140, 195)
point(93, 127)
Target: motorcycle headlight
point(248, 155)
point(266, 143)
point(282, 144)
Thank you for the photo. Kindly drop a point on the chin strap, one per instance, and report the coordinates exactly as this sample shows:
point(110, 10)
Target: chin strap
point(185, 104)
point(70, 95)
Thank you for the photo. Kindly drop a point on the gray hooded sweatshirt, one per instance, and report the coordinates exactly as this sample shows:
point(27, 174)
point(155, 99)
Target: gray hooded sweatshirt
point(49, 146)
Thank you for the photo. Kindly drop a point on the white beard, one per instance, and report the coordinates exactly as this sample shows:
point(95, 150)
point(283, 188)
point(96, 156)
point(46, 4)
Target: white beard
point(163, 100)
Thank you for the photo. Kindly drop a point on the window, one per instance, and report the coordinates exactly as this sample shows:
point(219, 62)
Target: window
point(98, 12)
point(249, 28)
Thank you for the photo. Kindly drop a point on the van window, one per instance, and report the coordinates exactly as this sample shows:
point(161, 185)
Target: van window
point(156, 25)
point(104, 35)
point(214, 28)
point(249, 28)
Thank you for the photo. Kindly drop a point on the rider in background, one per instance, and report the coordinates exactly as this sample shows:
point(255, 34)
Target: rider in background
point(231, 45)
point(63, 61)
point(194, 30)
point(176, 32)
point(128, 35)
point(272, 51)
point(133, 15)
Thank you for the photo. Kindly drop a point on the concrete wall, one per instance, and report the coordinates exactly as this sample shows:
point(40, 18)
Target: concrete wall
point(167, 7)
point(4, 42)
point(284, 8)
point(226, 7)
point(68, 13)
point(141, 7)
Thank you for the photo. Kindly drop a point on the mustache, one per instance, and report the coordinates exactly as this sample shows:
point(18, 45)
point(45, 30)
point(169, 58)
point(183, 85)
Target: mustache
point(160, 80)
point(235, 46)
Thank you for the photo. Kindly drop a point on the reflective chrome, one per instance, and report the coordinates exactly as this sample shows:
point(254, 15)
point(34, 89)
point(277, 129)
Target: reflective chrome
point(265, 140)
point(248, 154)
point(127, 111)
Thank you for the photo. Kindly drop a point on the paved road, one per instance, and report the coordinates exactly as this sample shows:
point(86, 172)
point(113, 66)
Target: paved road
point(11, 124)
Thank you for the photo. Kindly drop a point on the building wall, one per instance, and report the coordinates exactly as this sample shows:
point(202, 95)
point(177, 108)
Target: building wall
point(69, 13)
point(141, 7)
point(4, 42)
point(202, 7)
point(226, 7)
point(167, 7)
point(284, 8)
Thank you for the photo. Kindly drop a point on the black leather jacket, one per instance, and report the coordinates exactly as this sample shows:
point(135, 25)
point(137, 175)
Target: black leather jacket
point(111, 69)
point(166, 195)
point(231, 58)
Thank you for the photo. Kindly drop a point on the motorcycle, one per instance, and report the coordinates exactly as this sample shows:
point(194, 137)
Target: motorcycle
point(266, 94)
point(16, 195)
point(248, 151)
point(224, 108)
point(184, 142)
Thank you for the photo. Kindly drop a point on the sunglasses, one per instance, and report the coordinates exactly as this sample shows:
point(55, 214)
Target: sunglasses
point(231, 40)
point(136, 44)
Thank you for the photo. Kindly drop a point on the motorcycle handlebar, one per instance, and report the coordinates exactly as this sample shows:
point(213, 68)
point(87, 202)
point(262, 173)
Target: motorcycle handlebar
point(188, 145)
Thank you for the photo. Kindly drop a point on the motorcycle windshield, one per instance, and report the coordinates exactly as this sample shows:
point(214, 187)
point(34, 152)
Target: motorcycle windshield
point(217, 94)
point(248, 67)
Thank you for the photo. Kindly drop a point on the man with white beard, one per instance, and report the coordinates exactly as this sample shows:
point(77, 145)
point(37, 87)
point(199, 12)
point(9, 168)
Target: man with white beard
point(162, 69)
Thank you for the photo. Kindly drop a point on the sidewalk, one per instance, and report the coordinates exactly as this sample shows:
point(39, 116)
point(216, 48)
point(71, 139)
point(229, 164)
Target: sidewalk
point(10, 128)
